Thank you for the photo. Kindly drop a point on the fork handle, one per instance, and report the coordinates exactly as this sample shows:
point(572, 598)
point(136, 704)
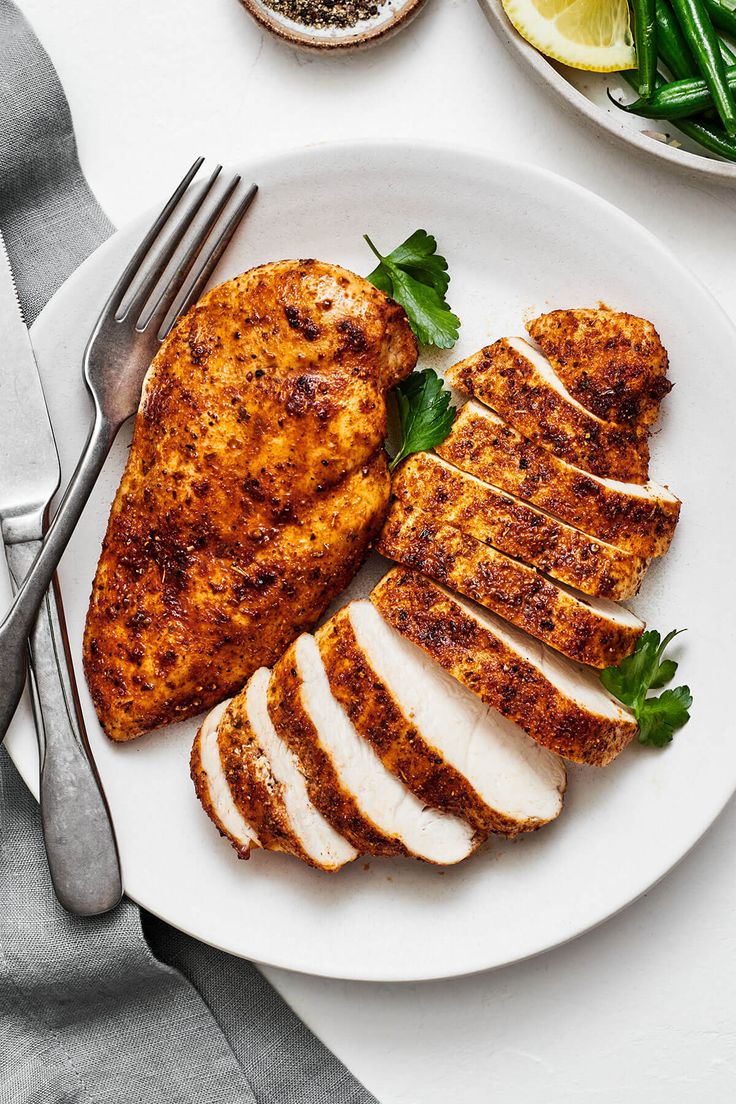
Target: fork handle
point(17, 627)
point(77, 830)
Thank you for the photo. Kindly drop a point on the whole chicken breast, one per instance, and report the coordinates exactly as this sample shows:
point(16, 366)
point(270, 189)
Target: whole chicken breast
point(255, 484)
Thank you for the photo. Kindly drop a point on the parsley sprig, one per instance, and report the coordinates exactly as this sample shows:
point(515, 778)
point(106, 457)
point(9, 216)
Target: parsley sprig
point(416, 276)
point(646, 669)
point(425, 413)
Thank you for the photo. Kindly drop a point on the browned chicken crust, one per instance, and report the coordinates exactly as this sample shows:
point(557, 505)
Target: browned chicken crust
point(254, 486)
point(401, 748)
point(427, 483)
point(484, 445)
point(202, 789)
point(428, 616)
point(612, 362)
point(506, 586)
point(502, 378)
point(326, 791)
point(256, 793)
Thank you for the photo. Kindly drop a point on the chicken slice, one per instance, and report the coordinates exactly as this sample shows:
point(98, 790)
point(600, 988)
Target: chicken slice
point(518, 383)
point(449, 748)
point(590, 630)
point(428, 483)
point(212, 787)
point(561, 704)
point(638, 517)
point(267, 785)
point(346, 780)
point(613, 363)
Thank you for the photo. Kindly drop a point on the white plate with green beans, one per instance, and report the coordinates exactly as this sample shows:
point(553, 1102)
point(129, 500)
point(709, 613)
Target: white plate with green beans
point(683, 127)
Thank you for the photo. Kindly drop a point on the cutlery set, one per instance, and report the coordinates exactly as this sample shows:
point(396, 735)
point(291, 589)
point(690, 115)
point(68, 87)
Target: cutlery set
point(166, 275)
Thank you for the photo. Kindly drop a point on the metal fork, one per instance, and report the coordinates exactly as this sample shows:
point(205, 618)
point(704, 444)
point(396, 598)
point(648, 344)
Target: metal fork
point(143, 306)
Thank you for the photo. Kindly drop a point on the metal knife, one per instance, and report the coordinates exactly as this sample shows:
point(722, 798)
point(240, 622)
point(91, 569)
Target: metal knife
point(78, 832)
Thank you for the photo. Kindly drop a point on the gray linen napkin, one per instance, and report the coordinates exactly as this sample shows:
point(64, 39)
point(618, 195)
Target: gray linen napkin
point(119, 1008)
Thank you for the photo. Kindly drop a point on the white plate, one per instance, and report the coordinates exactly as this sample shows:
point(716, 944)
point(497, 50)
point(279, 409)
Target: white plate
point(586, 94)
point(519, 241)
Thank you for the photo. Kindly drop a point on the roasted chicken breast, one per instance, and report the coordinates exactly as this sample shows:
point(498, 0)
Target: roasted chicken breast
point(518, 383)
point(255, 483)
point(638, 517)
point(428, 483)
point(590, 630)
point(562, 705)
point(612, 362)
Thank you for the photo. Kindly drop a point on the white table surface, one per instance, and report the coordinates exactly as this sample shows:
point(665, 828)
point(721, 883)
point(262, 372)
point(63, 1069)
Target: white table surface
point(642, 1009)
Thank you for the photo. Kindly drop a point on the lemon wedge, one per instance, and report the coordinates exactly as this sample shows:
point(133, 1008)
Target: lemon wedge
point(586, 34)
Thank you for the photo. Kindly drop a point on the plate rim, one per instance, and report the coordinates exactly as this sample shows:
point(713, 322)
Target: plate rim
point(527, 56)
point(469, 152)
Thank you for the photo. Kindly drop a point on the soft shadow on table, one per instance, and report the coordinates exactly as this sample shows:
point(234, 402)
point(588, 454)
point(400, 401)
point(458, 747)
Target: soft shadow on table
point(601, 1005)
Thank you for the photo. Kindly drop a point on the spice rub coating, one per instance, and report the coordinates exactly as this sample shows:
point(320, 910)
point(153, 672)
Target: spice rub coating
point(428, 483)
point(254, 486)
point(512, 378)
point(589, 727)
point(599, 634)
point(612, 362)
point(400, 746)
point(638, 518)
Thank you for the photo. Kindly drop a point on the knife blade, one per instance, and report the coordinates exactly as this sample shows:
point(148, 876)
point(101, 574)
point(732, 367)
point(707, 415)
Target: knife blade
point(78, 833)
point(29, 463)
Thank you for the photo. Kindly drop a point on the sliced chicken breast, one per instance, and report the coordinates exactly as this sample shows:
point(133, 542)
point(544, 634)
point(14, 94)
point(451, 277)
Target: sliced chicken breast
point(346, 780)
point(613, 363)
point(428, 483)
point(449, 748)
point(518, 383)
point(562, 705)
point(590, 630)
point(638, 517)
point(267, 785)
point(212, 786)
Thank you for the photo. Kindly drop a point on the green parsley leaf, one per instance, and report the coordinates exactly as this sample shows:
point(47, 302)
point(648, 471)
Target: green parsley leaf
point(425, 413)
point(660, 717)
point(644, 670)
point(416, 276)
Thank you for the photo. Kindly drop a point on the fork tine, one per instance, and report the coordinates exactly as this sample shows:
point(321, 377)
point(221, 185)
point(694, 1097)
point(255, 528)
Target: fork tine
point(160, 308)
point(206, 264)
point(167, 251)
point(118, 292)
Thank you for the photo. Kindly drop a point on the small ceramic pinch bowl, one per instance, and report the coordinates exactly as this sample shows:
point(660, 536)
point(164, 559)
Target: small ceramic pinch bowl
point(391, 16)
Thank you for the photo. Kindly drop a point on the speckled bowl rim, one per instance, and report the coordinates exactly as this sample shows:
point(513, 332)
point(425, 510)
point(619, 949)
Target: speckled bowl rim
point(691, 164)
point(363, 39)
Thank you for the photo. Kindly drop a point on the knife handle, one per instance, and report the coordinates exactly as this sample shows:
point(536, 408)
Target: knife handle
point(77, 829)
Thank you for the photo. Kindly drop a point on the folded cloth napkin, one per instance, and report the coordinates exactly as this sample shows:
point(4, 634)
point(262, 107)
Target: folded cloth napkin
point(118, 1008)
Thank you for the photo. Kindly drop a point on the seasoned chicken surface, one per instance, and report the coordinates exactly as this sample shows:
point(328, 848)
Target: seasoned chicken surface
point(450, 749)
point(562, 705)
point(255, 484)
point(638, 517)
point(612, 362)
point(589, 630)
point(428, 483)
point(511, 377)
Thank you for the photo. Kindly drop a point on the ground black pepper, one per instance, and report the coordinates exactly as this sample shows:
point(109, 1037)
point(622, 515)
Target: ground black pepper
point(321, 14)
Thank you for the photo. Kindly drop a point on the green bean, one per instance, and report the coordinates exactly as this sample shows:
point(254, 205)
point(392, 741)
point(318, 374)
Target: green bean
point(645, 41)
point(700, 36)
point(671, 45)
point(721, 16)
point(677, 99)
point(712, 138)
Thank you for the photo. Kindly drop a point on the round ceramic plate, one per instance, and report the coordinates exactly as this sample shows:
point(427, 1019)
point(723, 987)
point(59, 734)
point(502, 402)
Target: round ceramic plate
point(586, 94)
point(519, 241)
